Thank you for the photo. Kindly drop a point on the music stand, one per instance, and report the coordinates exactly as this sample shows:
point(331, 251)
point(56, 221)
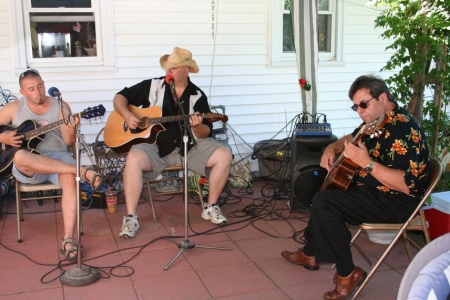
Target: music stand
point(185, 245)
point(81, 275)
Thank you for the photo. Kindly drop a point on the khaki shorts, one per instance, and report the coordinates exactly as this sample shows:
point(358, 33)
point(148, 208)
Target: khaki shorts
point(198, 156)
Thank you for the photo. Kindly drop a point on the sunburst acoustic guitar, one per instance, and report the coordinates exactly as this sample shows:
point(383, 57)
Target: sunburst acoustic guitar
point(343, 169)
point(121, 138)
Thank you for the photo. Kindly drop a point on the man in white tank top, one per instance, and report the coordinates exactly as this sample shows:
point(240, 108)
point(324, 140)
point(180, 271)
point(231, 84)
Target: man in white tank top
point(54, 163)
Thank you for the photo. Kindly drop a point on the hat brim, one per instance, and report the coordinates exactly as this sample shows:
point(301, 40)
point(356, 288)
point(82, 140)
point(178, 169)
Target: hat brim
point(165, 64)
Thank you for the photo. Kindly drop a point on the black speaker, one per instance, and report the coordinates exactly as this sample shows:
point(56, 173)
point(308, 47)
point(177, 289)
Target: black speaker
point(306, 174)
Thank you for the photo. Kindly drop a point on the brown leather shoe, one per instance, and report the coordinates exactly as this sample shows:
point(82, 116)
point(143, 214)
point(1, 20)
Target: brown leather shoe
point(299, 258)
point(346, 286)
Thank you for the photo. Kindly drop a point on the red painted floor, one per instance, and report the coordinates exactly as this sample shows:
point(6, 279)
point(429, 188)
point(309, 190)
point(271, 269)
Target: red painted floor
point(258, 230)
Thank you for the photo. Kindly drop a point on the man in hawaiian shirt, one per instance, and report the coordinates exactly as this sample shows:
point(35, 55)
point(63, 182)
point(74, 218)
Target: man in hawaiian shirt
point(386, 188)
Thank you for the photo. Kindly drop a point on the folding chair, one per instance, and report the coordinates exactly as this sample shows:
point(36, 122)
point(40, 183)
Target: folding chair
point(40, 193)
point(149, 179)
point(416, 221)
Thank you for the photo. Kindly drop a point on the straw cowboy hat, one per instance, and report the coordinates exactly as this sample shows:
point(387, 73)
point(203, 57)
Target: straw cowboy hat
point(179, 57)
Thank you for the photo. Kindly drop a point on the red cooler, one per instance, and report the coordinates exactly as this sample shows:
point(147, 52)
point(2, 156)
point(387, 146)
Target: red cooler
point(438, 214)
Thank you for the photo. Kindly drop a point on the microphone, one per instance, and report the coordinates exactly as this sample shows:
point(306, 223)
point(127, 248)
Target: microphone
point(54, 92)
point(170, 81)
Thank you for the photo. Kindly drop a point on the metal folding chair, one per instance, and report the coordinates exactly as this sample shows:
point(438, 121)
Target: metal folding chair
point(149, 179)
point(415, 222)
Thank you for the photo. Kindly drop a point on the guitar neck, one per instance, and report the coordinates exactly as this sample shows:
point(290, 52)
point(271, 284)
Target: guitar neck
point(354, 141)
point(44, 129)
point(168, 119)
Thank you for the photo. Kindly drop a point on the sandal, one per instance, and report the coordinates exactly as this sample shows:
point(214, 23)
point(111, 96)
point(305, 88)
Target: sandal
point(96, 175)
point(67, 252)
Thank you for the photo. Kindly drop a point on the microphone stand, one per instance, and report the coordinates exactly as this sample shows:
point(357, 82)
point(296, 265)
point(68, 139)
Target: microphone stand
point(185, 245)
point(81, 275)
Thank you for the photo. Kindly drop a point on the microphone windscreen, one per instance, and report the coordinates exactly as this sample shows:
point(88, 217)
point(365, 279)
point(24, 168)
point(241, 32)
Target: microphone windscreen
point(168, 78)
point(52, 90)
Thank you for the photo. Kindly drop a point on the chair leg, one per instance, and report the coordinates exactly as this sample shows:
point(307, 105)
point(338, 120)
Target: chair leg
point(19, 212)
point(1, 206)
point(378, 263)
point(151, 201)
point(424, 226)
point(55, 193)
point(199, 190)
point(407, 245)
point(40, 194)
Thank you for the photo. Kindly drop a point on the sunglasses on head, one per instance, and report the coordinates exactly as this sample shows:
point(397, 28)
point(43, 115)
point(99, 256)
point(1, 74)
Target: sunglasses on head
point(28, 72)
point(363, 105)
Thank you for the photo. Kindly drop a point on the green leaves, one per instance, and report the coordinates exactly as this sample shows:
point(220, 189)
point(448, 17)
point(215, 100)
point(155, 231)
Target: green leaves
point(419, 31)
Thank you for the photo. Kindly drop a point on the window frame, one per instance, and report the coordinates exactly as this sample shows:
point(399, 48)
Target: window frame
point(335, 57)
point(102, 9)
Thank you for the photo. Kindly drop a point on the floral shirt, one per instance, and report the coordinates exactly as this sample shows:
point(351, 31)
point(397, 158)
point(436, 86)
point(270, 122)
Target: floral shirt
point(401, 145)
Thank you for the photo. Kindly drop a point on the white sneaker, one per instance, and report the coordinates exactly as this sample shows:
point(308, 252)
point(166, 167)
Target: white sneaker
point(213, 213)
point(129, 227)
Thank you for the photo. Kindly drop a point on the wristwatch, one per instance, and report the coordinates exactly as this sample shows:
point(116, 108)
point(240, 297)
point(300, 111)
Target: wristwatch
point(369, 168)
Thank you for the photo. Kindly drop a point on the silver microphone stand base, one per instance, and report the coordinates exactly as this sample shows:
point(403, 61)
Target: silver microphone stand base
point(80, 276)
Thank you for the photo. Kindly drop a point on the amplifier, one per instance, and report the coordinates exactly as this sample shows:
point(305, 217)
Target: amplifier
point(93, 199)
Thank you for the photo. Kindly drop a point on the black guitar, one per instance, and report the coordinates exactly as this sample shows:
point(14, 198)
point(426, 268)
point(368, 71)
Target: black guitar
point(33, 135)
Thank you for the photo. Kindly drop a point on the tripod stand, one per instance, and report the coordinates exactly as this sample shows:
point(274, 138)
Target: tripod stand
point(185, 245)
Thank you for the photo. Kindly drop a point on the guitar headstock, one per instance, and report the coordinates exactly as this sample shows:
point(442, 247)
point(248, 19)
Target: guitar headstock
point(93, 112)
point(212, 117)
point(373, 128)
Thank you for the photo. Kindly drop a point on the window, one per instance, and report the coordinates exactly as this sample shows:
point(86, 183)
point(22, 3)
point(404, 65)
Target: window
point(62, 33)
point(329, 30)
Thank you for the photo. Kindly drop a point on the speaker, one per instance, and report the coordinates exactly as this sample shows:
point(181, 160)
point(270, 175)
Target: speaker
point(306, 174)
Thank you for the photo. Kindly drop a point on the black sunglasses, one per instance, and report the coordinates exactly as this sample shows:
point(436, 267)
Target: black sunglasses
point(28, 72)
point(363, 105)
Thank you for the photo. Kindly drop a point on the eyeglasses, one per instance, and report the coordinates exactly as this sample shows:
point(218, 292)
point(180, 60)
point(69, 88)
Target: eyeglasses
point(363, 105)
point(28, 72)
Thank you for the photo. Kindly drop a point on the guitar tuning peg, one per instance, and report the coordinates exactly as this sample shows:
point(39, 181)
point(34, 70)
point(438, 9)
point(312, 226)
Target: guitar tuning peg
point(371, 136)
point(380, 132)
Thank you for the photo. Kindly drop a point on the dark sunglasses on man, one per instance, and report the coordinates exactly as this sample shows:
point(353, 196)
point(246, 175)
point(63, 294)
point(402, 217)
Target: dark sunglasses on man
point(362, 104)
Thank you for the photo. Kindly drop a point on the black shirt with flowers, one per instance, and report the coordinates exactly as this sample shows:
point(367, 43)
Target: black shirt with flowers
point(400, 145)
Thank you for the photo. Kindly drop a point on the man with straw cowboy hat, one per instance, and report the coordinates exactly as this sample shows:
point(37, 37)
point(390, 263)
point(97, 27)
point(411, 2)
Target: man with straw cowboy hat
point(169, 146)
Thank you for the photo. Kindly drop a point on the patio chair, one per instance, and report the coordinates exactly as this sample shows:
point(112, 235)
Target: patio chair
point(149, 179)
point(416, 222)
point(27, 192)
point(39, 192)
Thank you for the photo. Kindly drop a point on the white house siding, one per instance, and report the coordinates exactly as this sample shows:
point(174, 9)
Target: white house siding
point(235, 71)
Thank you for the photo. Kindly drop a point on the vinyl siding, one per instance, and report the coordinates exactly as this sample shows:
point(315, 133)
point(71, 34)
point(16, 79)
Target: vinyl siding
point(235, 68)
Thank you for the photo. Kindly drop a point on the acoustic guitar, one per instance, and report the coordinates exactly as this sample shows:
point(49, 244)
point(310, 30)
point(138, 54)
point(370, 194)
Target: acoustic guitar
point(33, 134)
point(343, 169)
point(119, 136)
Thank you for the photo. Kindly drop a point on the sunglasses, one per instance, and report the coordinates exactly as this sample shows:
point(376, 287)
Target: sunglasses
point(28, 72)
point(363, 105)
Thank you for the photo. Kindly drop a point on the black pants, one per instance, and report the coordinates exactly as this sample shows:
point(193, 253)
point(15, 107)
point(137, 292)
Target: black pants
point(327, 234)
